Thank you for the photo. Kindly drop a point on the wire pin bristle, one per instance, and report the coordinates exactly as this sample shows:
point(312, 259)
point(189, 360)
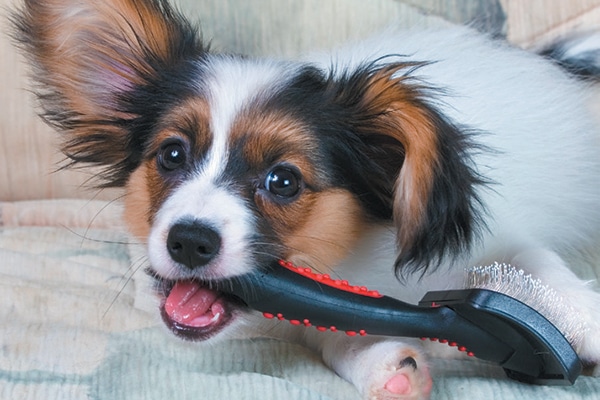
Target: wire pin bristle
point(514, 282)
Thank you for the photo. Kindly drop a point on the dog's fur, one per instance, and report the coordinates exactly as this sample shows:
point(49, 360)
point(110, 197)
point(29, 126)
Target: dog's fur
point(409, 156)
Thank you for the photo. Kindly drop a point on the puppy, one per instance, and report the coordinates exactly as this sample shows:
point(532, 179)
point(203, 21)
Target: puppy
point(393, 163)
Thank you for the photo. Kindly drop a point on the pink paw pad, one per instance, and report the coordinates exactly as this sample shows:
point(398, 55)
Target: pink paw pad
point(406, 381)
point(399, 384)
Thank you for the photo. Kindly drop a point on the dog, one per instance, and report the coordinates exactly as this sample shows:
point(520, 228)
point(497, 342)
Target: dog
point(394, 163)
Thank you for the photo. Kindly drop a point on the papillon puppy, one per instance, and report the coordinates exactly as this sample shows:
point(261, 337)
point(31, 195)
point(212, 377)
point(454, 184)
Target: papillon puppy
point(394, 163)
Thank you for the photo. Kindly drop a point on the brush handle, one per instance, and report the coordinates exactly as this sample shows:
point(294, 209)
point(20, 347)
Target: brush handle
point(485, 324)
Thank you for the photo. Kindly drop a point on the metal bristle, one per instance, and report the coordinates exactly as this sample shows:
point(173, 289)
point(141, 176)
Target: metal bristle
point(513, 282)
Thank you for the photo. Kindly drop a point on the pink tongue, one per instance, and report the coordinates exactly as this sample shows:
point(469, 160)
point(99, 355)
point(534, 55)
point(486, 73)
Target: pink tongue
point(192, 305)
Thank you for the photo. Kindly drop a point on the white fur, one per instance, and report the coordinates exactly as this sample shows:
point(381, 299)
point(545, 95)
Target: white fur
point(545, 146)
point(545, 165)
point(242, 83)
point(545, 161)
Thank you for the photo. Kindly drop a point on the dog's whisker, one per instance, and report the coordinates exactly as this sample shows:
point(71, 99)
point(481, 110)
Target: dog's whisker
point(312, 261)
point(85, 237)
point(103, 208)
point(125, 280)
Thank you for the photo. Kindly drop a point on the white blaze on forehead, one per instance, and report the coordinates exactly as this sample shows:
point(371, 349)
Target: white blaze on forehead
point(232, 85)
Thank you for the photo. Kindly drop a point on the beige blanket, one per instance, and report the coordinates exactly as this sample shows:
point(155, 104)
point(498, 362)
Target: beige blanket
point(70, 328)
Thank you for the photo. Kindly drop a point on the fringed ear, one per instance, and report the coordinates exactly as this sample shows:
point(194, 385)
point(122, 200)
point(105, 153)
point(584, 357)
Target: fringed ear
point(435, 204)
point(91, 59)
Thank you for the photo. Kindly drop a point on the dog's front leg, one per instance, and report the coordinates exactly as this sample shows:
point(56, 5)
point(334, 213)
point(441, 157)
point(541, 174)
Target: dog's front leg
point(380, 368)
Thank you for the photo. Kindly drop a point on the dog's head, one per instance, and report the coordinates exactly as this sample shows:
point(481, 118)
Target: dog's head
point(230, 163)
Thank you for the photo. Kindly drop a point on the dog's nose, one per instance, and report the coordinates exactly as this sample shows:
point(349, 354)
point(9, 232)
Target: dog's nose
point(193, 243)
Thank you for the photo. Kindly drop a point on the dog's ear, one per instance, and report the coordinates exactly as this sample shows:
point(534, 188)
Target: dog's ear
point(426, 157)
point(94, 62)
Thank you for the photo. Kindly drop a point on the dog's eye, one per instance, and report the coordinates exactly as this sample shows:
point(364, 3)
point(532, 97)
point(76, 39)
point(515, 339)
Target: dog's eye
point(283, 182)
point(171, 157)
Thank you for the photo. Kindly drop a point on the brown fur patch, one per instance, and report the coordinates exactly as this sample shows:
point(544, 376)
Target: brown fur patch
point(323, 230)
point(145, 192)
point(401, 115)
point(191, 122)
point(137, 203)
point(271, 137)
point(103, 43)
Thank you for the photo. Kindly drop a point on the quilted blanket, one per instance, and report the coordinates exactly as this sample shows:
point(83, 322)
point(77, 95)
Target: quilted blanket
point(74, 325)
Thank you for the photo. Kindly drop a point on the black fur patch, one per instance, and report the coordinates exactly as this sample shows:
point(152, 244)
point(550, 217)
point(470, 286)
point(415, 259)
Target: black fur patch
point(368, 163)
point(583, 64)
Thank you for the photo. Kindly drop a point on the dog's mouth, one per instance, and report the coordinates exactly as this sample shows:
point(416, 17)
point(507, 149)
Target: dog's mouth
point(194, 311)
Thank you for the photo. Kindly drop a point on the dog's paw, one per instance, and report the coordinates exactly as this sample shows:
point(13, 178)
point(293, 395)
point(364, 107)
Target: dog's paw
point(589, 348)
point(398, 373)
point(590, 369)
point(381, 369)
point(407, 380)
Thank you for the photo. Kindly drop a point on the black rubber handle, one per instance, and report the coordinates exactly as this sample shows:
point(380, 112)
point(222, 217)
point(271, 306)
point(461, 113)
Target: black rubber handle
point(489, 325)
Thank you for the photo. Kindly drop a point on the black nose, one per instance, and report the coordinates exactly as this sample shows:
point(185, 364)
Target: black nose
point(193, 243)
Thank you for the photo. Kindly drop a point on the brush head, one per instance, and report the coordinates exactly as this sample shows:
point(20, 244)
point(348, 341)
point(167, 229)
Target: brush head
point(535, 351)
point(513, 282)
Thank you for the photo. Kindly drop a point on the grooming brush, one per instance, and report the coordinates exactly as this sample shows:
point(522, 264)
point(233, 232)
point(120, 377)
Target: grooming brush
point(483, 323)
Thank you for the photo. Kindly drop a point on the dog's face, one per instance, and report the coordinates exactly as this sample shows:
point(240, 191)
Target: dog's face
point(231, 163)
point(235, 177)
point(238, 172)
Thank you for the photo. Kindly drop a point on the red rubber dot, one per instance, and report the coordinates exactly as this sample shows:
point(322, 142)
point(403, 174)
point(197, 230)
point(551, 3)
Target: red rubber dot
point(295, 322)
point(333, 328)
point(443, 340)
point(350, 333)
point(280, 316)
point(362, 332)
point(471, 354)
point(268, 315)
point(321, 328)
point(327, 280)
point(423, 338)
point(462, 348)
point(434, 339)
point(306, 323)
point(452, 344)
